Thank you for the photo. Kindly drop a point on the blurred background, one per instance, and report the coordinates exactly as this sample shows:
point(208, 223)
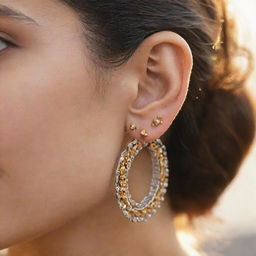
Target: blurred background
point(232, 230)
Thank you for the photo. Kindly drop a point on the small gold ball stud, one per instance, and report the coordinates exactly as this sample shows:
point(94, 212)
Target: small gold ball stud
point(133, 127)
point(144, 133)
point(157, 121)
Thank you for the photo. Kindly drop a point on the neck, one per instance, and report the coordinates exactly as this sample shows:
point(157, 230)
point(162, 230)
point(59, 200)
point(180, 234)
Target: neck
point(103, 230)
point(99, 234)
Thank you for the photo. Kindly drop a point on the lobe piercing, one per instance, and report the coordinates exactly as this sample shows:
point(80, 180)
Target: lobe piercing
point(157, 121)
point(144, 133)
point(133, 127)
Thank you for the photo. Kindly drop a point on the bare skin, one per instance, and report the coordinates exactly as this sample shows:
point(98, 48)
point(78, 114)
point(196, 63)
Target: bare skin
point(61, 136)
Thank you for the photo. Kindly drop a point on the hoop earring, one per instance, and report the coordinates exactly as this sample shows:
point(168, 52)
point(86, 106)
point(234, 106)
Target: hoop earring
point(142, 211)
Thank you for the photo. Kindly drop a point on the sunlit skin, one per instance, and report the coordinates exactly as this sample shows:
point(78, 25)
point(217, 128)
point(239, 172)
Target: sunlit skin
point(61, 136)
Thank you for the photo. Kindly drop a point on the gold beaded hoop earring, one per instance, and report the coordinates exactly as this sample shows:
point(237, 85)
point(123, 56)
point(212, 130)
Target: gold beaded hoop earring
point(142, 211)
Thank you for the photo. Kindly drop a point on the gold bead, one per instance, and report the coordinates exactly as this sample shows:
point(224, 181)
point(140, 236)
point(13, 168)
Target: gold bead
point(122, 170)
point(144, 211)
point(144, 133)
point(153, 204)
point(157, 121)
point(137, 214)
point(124, 199)
point(132, 152)
point(133, 127)
point(122, 192)
point(122, 178)
point(131, 211)
point(123, 184)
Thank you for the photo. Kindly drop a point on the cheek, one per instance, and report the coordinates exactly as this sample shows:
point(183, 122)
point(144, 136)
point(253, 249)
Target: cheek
point(55, 148)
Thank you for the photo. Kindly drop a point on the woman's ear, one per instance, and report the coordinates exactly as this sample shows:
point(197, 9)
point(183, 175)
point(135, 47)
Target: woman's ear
point(162, 64)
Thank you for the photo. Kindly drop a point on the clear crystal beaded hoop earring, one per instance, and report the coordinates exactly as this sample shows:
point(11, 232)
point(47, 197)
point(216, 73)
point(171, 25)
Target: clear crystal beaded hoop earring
point(141, 211)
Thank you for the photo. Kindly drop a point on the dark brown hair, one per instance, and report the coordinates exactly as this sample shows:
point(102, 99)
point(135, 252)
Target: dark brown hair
point(215, 128)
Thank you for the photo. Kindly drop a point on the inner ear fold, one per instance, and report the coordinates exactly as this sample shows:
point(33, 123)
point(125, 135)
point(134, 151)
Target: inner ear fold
point(162, 66)
point(162, 76)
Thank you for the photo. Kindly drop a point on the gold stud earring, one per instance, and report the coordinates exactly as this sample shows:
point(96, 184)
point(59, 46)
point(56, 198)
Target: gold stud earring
point(143, 133)
point(133, 127)
point(157, 121)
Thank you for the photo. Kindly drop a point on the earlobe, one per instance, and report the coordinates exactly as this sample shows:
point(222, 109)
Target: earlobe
point(164, 61)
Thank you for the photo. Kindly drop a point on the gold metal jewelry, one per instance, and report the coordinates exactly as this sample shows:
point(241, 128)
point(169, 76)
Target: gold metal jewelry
point(157, 121)
point(133, 127)
point(141, 211)
point(143, 133)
